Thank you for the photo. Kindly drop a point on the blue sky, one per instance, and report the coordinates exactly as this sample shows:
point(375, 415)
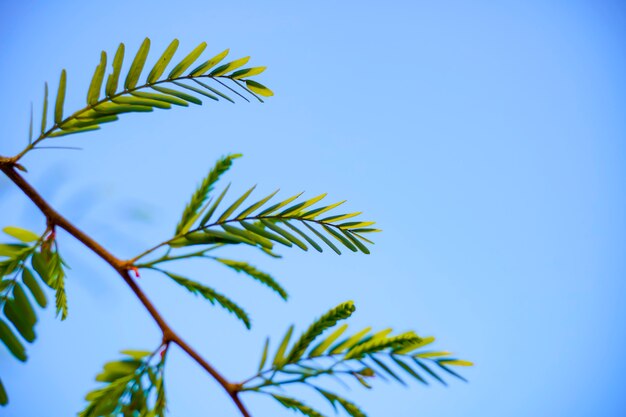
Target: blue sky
point(486, 139)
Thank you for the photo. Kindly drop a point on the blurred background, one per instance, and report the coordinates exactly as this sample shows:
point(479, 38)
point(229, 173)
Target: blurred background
point(485, 138)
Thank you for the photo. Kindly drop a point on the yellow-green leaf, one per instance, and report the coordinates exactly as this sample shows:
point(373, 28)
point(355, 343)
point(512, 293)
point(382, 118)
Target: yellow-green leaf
point(187, 61)
point(247, 72)
point(259, 88)
point(58, 107)
point(163, 61)
point(21, 234)
point(456, 362)
point(137, 66)
point(201, 69)
point(114, 77)
point(229, 67)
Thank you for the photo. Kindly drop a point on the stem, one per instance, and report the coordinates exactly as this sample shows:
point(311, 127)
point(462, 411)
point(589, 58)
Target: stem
point(7, 165)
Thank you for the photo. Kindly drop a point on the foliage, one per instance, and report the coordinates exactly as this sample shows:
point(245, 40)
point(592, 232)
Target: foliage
point(16, 261)
point(361, 357)
point(134, 385)
point(131, 384)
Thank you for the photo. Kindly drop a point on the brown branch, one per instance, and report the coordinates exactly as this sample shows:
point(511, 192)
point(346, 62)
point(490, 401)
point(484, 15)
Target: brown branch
point(123, 268)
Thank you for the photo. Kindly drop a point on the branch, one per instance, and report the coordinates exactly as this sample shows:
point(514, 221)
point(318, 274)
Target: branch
point(123, 268)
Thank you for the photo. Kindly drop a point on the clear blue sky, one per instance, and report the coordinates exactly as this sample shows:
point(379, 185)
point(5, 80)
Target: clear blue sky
point(486, 138)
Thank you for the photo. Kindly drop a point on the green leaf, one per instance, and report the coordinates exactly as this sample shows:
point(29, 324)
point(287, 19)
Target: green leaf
point(277, 206)
point(355, 225)
point(250, 270)
point(218, 92)
point(59, 286)
point(179, 94)
point(161, 97)
point(136, 354)
point(212, 296)
point(340, 238)
point(44, 113)
point(259, 88)
point(324, 344)
point(234, 206)
point(388, 370)
point(213, 207)
point(73, 131)
point(41, 265)
point(328, 320)
point(12, 249)
point(247, 72)
point(264, 354)
point(295, 209)
point(114, 77)
point(316, 212)
point(349, 342)
point(356, 242)
point(187, 61)
point(305, 236)
point(423, 342)
point(204, 67)
point(255, 206)
point(266, 243)
point(455, 362)
point(16, 317)
point(296, 405)
point(432, 354)
point(207, 237)
point(229, 67)
point(196, 90)
point(96, 81)
point(271, 225)
point(137, 66)
point(264, 233)
point(448, 370)
point(379, 344)
point(429, 371)
point(193, 208)
point(338, 217)
point(138, 101)
point(351, 408)
point(58, 107)
point(323, 238)
point(113, 108)
point(35, 289)
point(21, 234)
point(279, 357)
point(23, 305)
point(81, 122)
point(118, 369)
point(162, 62)
point(408, 369)
point(4, 399)
point(12, 342)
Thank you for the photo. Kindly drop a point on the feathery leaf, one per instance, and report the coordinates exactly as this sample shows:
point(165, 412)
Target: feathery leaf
point(212, 296)
point(328, 320)
point(192, 210)
point(250, 270)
